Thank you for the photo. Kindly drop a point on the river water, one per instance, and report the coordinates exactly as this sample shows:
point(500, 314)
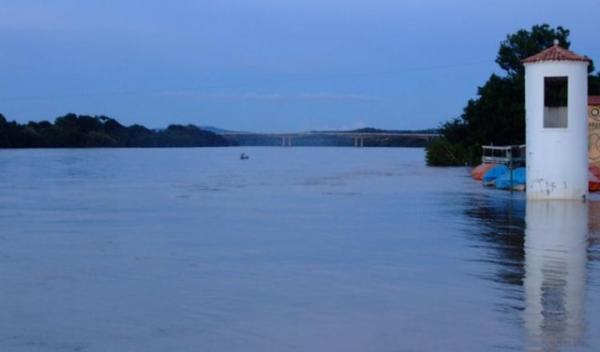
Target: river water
point(295, 249)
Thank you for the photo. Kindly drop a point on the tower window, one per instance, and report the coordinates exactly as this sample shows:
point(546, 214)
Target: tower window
point(556, 102)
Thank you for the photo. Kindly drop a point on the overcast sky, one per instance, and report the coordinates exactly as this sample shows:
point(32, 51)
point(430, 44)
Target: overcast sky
point(264, 65)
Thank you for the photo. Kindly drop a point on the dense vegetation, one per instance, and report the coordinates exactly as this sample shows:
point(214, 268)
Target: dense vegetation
point(497, 115)
point(81, 131)
point(100, 131)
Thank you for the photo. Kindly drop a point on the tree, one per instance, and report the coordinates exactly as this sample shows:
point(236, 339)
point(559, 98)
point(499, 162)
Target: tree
point(523, 44)
point(82, 131)
point(497, 115)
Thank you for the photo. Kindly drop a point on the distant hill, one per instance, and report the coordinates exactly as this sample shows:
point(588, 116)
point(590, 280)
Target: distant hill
point(219, 130)
point(82, 131)
point(386, 138)
point(377, 130)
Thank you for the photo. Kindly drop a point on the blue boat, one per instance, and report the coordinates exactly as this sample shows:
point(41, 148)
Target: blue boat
point(490, 177)
point(516, 182)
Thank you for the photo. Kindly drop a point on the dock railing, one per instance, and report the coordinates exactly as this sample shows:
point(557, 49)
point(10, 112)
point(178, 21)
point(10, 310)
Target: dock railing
point(511, 155)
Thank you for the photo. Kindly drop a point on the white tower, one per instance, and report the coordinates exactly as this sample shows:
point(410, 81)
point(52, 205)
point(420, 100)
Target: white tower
point(556, 124)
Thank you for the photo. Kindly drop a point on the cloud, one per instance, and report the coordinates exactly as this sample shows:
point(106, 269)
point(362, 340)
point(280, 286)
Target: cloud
point(273, 97)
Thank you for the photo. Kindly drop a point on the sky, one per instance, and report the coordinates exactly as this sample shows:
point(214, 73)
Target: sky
point(264, 65)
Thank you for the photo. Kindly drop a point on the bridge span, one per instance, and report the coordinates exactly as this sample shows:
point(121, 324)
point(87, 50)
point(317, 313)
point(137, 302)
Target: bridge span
point(341, 139)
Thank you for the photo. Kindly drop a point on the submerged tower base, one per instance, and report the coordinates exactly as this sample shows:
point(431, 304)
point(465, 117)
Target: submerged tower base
point(556, 124)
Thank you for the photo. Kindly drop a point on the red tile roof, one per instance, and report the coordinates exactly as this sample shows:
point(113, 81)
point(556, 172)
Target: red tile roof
point(555, 53)
point(594, 100)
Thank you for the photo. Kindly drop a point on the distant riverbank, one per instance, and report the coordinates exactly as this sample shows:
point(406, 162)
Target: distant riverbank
point(83, 131)
point(364, 137)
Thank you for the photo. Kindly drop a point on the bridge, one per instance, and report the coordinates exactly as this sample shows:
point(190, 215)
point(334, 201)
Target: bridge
point(342, 139)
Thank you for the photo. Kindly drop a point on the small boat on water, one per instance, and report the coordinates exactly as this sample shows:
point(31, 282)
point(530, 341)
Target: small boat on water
point(514, 179)
point(478, 172)
point(499, 165)
point(489, 178)
point(500, 177)
point(244, 156)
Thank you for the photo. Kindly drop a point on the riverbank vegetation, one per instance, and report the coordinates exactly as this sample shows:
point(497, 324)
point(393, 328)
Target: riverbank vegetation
point(497, 115)
point(81, 131)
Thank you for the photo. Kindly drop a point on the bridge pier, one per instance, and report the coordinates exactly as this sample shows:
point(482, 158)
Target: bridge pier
point(359, 142)
point(286, 141)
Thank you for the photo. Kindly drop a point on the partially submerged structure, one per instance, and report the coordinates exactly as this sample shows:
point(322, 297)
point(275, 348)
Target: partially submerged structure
point(558, 118)
point(556, 85)
point(594, 130)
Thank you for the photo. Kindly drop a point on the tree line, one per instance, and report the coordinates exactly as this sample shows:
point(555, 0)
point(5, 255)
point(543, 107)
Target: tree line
point(497, 115)
point(82, 131)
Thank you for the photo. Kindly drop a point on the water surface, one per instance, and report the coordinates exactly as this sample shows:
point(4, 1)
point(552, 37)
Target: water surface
point(296, 249)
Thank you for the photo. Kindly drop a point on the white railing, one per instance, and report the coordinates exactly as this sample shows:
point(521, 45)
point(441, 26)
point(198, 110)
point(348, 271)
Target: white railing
point(510, 155)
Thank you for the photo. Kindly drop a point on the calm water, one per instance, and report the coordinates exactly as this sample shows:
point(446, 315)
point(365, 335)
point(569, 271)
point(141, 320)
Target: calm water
point(296, 249)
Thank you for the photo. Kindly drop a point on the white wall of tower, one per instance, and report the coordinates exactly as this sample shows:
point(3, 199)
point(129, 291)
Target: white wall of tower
point(557, 158)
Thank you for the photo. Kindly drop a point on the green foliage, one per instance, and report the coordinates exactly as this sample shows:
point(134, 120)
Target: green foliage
point(497, 115)
point(440, 152)
point(524, 43)
point(100, 131)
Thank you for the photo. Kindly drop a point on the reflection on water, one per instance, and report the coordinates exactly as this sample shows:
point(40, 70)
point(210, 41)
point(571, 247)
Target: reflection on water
point(296, 249)
point(500, 232)
point(540, 252)
point(555, 274)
